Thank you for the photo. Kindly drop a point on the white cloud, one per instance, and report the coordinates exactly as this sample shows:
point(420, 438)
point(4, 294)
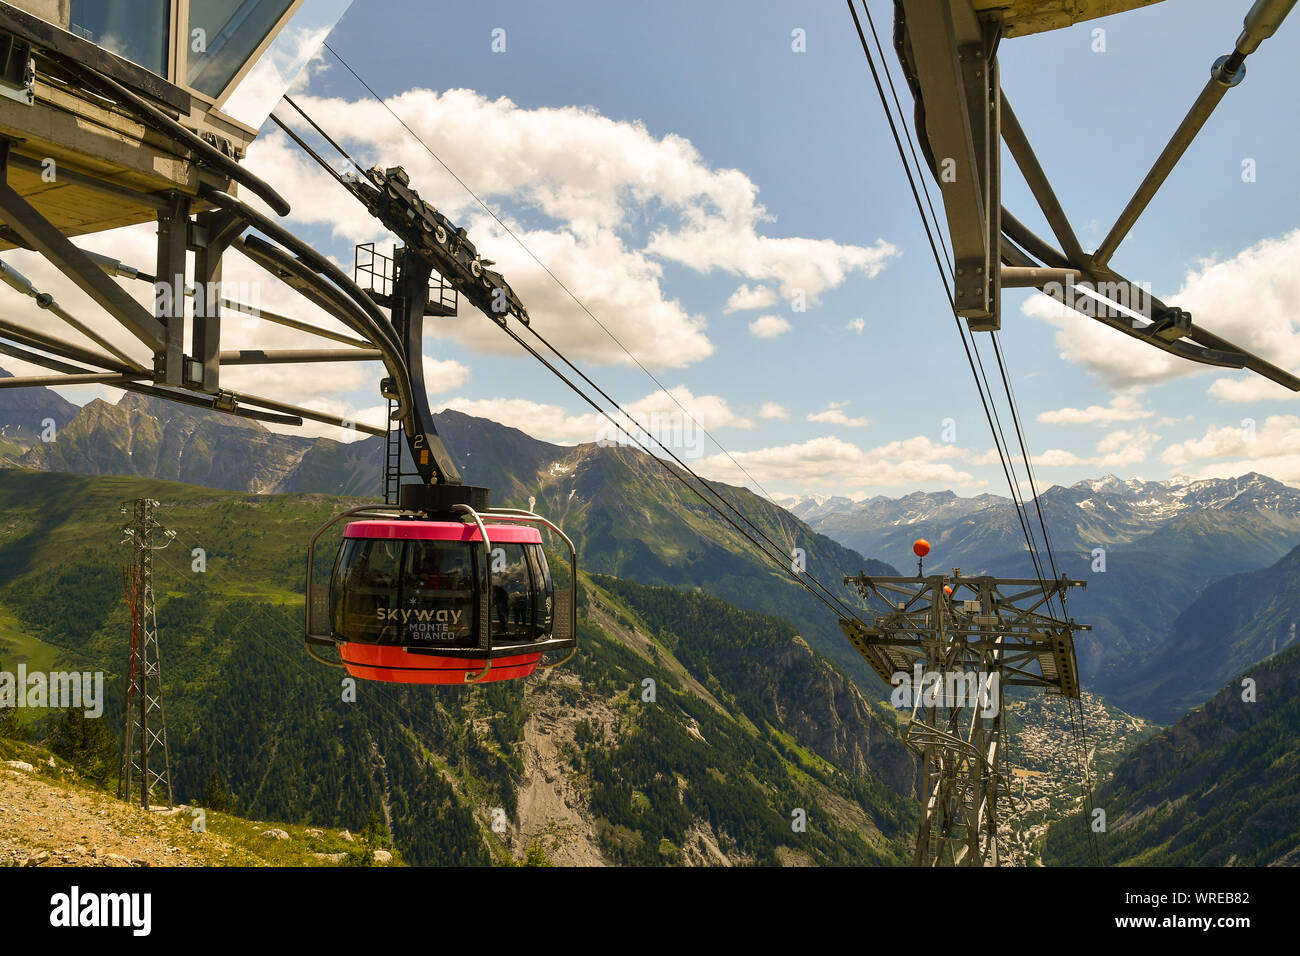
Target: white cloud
point(1251, 299)
point(1055, 457)
point(833, 414)
point(1254, 388)
point(1118, 449)
point(795, 264)
point(1123, 447)
point(620, 286)
point(1050, 457)
point(745, 299)
point(857, 325)
point(832, 462)
point(768, 327)
point(773, 410)
point(591, 177)
point(657, 411)
point(1230, 450)
point(1121, 361)
point(1278, 435)
point(1121, 408)
point(547, 422)
point(710, 411)
point(442, 375)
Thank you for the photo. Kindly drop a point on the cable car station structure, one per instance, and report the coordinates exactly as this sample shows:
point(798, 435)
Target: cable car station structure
point(92, 140)
point(947, 50)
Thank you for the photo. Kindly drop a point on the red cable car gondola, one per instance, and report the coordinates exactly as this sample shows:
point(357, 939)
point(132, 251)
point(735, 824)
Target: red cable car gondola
point(438, 589)
point(447, 598)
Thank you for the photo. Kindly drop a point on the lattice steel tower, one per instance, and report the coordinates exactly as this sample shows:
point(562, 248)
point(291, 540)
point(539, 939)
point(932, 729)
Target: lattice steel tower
point(955, 643)
point(144, 761)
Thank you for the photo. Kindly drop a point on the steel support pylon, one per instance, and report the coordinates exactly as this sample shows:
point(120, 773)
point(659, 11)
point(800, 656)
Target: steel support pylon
point(145, 767)
point(949, 646)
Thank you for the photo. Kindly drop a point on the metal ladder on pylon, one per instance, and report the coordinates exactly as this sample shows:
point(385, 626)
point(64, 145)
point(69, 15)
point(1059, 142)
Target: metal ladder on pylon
point(392, 458)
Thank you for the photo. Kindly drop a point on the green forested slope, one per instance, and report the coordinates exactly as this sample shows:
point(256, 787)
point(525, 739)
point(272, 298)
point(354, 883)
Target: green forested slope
point(1218, 788)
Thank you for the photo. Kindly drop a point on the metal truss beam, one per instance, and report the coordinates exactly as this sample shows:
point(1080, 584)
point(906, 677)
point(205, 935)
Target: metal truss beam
point(1036, 179)
point(295, 356)
point(57, 346)
point(39, 234)
point(208, 224)
point(1261, 22)
point(303, 280)
point(939, 45)
point(213, 234)
point(298, 324)
point(954, 66)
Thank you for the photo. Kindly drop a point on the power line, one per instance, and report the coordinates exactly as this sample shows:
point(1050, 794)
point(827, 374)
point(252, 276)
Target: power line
point(1006, 381)
point(1085, 787)
point(706, 484)
point(1016, 496)
point(1000, 440)
point(1029, 469)
point(994, 420)
point(1003, 447)
point(994, 427)
point(799, 577)
point(775, 555)
point(911, 145)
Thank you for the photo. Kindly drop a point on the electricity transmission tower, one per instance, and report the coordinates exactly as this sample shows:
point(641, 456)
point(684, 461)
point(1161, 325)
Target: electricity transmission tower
point(144, 730)
point(950, 645)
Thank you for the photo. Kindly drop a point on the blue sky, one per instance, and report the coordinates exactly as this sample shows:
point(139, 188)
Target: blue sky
point(697, 91)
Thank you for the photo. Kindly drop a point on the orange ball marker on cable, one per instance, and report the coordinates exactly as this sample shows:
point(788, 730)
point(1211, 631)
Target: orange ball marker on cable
point(920, 548)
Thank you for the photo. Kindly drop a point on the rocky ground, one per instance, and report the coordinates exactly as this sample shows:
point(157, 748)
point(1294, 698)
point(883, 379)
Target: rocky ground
point(46, 823)
point(552, 806)
point(48, 818)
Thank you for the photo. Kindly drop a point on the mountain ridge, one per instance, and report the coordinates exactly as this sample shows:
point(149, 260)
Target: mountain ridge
point(1146, 549)
point(628, 517)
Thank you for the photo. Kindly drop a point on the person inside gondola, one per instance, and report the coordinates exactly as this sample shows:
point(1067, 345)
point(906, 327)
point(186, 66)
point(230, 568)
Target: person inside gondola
point(455, 573)
point(519, 608)
point(431, 577)
point(500, 604)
